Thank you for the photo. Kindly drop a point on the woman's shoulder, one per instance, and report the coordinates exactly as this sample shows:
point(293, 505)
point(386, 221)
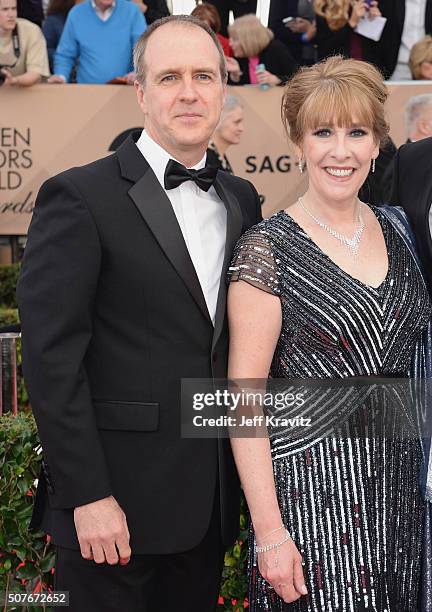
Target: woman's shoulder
point(272, 230)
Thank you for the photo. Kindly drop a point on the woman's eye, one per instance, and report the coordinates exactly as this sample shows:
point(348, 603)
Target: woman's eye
point(322, 133)
point(358, 132)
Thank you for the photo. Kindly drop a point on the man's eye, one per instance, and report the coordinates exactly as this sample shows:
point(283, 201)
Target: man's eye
point(203, 77)
point(168, 77)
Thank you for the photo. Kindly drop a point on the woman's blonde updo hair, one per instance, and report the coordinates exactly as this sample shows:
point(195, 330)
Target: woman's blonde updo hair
point(336, 91)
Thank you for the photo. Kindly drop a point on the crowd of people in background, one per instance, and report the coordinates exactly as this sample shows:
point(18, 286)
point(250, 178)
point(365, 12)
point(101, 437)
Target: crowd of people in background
point(91, 41)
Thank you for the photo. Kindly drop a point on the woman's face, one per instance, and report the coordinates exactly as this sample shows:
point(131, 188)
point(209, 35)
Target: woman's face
point(338, 159)
point(426, 70)
point(236, 46)
point(232, 127)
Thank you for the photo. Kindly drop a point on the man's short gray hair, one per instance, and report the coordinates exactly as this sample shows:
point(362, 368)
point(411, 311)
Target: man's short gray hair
point(188, 20)
point(414, 109)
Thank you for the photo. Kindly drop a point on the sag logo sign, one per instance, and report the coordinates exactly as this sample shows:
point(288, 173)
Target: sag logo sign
point(266, 164)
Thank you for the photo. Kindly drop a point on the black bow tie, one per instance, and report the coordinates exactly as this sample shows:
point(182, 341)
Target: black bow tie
point(176, 174)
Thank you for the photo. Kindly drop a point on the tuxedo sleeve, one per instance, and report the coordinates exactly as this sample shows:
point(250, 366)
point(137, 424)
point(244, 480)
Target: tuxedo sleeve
point(394, 192)
point(56, 292)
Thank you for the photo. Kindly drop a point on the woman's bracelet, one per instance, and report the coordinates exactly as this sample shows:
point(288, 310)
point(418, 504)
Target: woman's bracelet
point(272, 532)
point(268, 547)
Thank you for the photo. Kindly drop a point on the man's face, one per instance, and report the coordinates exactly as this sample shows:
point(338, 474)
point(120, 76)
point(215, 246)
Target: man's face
point(183, 92)
point(424, 123)
point(8, 15)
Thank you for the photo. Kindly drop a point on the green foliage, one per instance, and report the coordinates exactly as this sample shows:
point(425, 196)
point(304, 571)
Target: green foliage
point(8, 281)
point(8, 316)
point(26, 558)
point(233, 591)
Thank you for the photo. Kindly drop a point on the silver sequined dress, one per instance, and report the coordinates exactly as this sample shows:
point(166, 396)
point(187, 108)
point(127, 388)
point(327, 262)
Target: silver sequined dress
point(352, 506)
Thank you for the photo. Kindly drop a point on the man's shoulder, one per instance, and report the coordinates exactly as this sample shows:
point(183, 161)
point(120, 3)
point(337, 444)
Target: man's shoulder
point(27, 28)
point(78, 11)
point(104, 169)
point(417, 152)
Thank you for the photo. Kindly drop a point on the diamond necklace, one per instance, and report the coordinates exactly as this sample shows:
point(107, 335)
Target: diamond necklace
point(351, 243)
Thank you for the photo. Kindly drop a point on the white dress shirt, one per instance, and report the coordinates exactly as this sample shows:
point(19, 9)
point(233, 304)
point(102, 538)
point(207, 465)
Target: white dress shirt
point(103, 15)
point(413, 30)
point(202, 218)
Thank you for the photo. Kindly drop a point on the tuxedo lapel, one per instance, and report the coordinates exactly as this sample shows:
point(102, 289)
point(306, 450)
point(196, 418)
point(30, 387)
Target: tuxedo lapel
point(156, 210)
point(233, 232)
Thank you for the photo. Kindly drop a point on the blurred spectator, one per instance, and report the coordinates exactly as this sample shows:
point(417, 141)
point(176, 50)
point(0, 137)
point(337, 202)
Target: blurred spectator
point(418, 117)
point(208, 13)
point(152, 9)
point(418, 124)
point(299, 32)
point(227, 133)
point(407, 22)
point(336, 21)
point(31, 10)
point(420, 60)
point(254, 44)
point(53, 25)
point(238, 7)
point(101, 34)
point(23, 52)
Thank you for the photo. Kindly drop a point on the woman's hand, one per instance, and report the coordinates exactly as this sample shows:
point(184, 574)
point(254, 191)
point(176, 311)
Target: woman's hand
point(359, 10)
point(298, 25)
point(374, 10)
point(233, 68)
point(282, 568)
point(303, 26)
point(267, 78)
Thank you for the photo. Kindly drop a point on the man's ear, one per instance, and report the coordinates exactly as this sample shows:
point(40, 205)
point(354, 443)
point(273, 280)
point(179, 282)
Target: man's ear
point(141, 97)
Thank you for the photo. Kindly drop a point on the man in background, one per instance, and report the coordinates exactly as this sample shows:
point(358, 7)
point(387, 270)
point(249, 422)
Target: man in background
point(23, 51)
point(99, 36)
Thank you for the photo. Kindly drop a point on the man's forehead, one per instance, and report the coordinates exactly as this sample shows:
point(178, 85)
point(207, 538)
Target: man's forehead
point(8, 4)
point(189, 33)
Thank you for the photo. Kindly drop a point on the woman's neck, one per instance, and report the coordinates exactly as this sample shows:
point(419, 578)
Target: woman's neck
point(334, 212)
point(221, 144)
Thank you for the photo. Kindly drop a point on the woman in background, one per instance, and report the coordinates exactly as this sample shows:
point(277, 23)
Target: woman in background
point(228, 132)
point(253, 45)
point(420, 61)
point(208, 12)
point(336, 22)
point(330, 289)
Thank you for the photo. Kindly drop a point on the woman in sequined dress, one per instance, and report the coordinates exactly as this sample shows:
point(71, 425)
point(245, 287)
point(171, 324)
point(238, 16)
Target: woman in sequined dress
point(329, 289)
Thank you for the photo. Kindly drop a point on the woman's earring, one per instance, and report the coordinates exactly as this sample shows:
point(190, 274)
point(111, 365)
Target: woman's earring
point(373, 166)
point(301, 165)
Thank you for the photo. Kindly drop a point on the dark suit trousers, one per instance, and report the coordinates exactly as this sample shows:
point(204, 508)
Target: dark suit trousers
point(181, 582)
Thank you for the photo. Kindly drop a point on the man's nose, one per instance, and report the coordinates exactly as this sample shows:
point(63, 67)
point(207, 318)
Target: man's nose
point(188, 89)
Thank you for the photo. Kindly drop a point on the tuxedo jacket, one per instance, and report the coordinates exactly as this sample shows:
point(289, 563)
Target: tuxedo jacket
point(113, 317)
point(412, 189)
point(389, 44)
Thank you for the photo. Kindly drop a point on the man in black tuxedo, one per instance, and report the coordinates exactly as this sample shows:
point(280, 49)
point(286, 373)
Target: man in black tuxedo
point(412, 189)
point(122, 294)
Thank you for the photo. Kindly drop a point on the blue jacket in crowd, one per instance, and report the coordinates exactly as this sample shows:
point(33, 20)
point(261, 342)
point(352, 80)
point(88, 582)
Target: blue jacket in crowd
point(103, 48)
